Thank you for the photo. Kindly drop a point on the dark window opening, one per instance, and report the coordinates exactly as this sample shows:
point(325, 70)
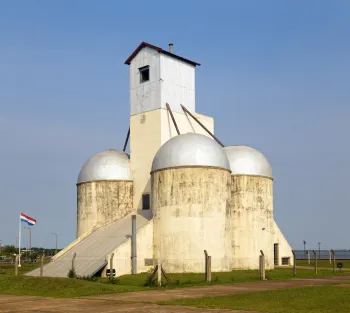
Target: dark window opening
point(275, 253)
point(144, 74)
point(146, 205)
point(286, 261)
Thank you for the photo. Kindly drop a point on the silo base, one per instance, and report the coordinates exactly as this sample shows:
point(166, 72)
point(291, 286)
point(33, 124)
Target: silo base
point(190, 211)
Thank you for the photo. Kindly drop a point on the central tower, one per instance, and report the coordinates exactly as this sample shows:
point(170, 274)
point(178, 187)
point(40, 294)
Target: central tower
point(158, 77)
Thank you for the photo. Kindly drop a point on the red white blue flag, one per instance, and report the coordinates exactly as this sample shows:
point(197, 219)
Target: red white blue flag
point(26, 219)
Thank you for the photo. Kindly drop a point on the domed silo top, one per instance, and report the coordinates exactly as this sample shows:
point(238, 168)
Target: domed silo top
point(106, 165)
point(247, 161)
point(190, 150)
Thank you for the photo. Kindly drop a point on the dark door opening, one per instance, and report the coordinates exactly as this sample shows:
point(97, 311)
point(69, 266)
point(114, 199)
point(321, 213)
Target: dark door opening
point(146, 205)
point(275, 253)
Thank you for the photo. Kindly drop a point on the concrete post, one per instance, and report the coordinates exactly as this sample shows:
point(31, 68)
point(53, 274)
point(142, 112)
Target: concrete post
point(16, 266)
point(111, 267)
point(330, 257)
point(42, 264)
point(294, 264)
point(333, 257)
point(315, 264)
point(308, 255)
point(73, 261)
point(209, 268)
point(133, 245)
point(206, 264)
point(159, 270)
point(262, 265)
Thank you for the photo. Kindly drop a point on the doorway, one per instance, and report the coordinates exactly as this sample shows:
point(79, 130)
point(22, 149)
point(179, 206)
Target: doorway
point(275, 253)
point(146, 201)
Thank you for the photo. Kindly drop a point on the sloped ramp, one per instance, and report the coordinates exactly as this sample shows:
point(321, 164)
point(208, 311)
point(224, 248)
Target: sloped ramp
point(92, 251)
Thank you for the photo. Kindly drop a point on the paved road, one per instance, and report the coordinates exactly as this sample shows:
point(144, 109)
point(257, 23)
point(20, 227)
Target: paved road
point(143, 301)
point(153, 296)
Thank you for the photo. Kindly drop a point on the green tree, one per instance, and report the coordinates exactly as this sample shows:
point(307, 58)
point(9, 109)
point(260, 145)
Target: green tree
point(9, 250)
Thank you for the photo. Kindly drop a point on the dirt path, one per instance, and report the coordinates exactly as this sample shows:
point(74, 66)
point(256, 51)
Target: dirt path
point(322, 268)
point(143, 301)
point(154, 296)
point(11, 304)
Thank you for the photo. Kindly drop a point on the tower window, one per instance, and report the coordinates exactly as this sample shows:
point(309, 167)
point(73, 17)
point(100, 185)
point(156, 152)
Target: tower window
point(146, 205)
point(144, 74)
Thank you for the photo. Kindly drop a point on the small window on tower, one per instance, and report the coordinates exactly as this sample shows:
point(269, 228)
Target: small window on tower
point(144, 74)
point(146, 205)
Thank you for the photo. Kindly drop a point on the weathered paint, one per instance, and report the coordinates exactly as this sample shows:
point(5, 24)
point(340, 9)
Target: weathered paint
point(185, 123)
point(145, 140)
point(148, 132)
point(91, 252)
point(285, 250)
point(190, 215)
point(251, 207)
point(144, 252)
point(145, 96)
point(171, 81)
point(102, 202)
point(177, 83)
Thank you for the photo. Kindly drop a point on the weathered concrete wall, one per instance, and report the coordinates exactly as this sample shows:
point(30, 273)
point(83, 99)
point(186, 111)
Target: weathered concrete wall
point(148, 132)
point(285, 250)
point(101, 202)
point(144, 143)
point(144, 251)
point(251, 207)
point(185, 123)
point(190, 215)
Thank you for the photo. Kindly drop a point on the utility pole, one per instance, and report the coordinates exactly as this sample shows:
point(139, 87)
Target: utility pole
point(319, 251)
point(304, 246)
point(30, 239)
point(56, 242)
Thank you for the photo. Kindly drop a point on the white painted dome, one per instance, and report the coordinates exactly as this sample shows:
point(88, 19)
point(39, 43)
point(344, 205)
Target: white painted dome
point(106, 165)
point(190, 150)
point(247, 161)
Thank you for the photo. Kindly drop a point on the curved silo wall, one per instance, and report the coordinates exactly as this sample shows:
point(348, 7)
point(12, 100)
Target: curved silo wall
point(190, 215)
point(251, 207)
point(101, 202)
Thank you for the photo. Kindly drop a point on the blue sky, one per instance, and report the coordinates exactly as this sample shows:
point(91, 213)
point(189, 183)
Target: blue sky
point(275, 75)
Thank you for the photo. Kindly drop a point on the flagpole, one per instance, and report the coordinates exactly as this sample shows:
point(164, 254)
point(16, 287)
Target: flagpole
point(19, 243)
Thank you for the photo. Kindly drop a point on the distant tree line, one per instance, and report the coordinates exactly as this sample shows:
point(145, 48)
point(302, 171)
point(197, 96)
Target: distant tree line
point(8, 251)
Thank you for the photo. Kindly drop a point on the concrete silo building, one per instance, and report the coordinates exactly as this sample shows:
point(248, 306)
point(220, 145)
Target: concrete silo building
point(188, 192)
point(251, 207)
point(104, 190)
point(190, 179)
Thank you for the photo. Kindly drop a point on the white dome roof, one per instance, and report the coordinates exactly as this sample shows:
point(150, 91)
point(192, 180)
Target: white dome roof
point(190, 150)
point(106, 165)
point(247, 161)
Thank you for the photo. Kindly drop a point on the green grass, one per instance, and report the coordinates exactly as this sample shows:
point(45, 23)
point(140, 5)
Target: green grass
point(197, 279)
point(320, 299)
point(9, 269)
point(324, 263)
point(65, 287)
point(58, 287)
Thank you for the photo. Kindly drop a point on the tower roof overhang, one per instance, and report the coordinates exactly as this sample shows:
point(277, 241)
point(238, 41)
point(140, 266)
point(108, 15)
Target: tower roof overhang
point(160, 50)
